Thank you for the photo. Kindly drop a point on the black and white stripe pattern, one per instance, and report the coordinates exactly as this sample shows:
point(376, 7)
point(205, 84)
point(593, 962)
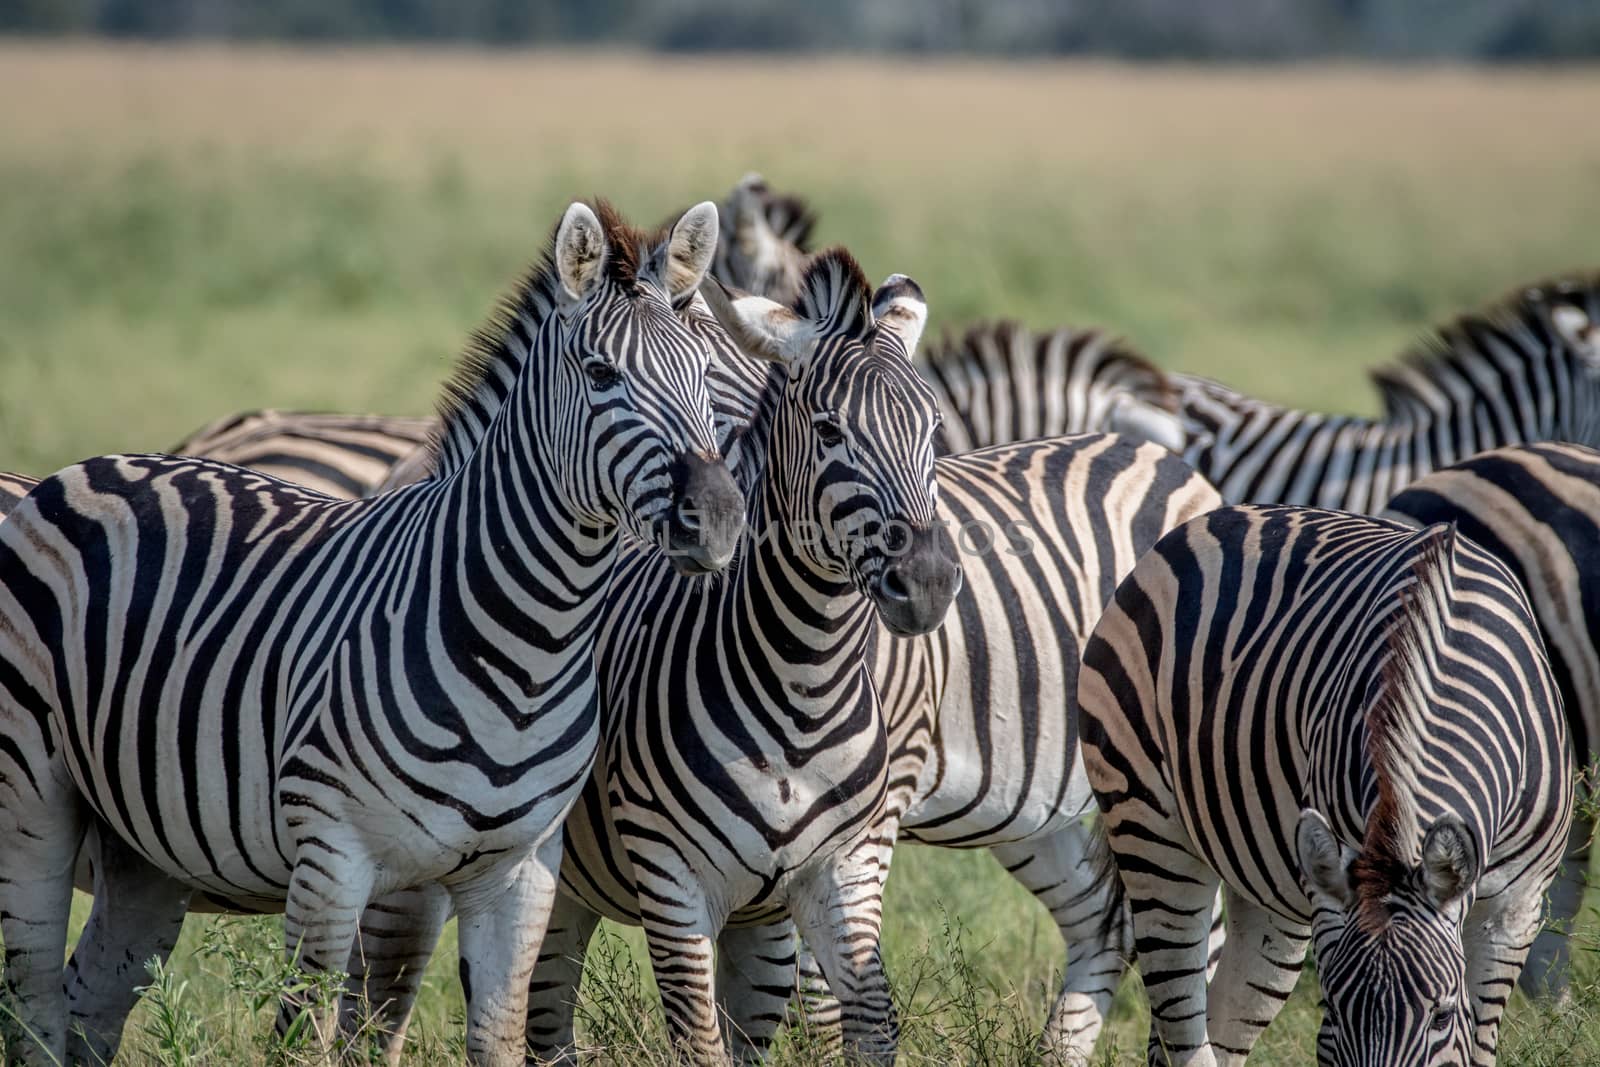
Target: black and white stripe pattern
point(1537, 508)
point(745, 755)
point(1525, 370)
point(1351, 726)
point(269, 699)
point(340, 455)
point(1000, 382)
point(766, 238)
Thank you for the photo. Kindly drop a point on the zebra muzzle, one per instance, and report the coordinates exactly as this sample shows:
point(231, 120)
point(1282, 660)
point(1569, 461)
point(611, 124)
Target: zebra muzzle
point(706, 516)
point(914, 590)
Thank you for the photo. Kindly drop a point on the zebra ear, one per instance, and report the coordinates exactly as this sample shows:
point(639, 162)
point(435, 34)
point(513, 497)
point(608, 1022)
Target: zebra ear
point(901, 312)
point(1576, 329)
point(580, 253)
point(690, 248)
point(763, 328)
point(1450, 861)
point(1324, 862)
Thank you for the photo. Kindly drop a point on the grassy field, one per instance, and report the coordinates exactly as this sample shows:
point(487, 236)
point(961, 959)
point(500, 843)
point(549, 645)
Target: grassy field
point(187, 233)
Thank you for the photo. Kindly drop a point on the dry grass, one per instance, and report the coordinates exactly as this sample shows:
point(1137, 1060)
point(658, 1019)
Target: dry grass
point(522, 111)
point(192, 231)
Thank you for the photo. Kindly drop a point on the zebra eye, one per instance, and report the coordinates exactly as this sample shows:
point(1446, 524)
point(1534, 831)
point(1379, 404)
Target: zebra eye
point(601, 374)
point(828, 432)
point(1442, 1019)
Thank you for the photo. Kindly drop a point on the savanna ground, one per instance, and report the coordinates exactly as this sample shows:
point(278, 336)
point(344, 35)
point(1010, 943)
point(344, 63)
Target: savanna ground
point(190, 232)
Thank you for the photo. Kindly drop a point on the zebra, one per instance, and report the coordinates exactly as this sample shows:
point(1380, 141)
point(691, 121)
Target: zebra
point(340, 455)
point(1351, 726)
point(982, 749)
point(1526, 369)
point(766, 668)
point(1000, 382)
point(766, 240)
point(1537, 508)
point(268, 699)
point(745, 754)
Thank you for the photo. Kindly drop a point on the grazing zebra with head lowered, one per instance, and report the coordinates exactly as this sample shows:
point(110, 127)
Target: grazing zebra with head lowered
point(745, 753)
point(1537, 507)
point(271, 699)
point(1352, 727)
point(1527, 369)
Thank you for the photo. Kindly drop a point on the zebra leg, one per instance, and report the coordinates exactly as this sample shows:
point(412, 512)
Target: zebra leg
point(839, 910)
point(680, 928)
point(1171, 895)
point(553, 992)
point(321, 919)
point(1071, 874)
point(43, 822)
point(138, 914)
point(814, 1007)
point(755, 981)
point(1546, 972)
point(1260, 964)
point(397, 938)
point(501, 915)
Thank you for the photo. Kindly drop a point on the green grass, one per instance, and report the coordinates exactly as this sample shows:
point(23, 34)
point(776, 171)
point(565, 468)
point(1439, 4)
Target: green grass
point(186, 235)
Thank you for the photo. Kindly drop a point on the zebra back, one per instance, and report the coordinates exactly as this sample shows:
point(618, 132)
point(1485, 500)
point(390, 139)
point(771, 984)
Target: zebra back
point(1537, 508)
point(1307, 704)
point(1524, 370)
point(1001, 382)
point(341, 455)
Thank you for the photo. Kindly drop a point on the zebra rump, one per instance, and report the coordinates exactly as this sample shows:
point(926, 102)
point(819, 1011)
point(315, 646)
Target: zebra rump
point(1352, 728)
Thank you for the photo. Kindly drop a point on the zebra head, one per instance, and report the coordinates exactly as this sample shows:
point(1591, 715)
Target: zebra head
point(851, 458)
point(630, 379)
point(764, 240)
point(1388, 944)
point(1573, 308)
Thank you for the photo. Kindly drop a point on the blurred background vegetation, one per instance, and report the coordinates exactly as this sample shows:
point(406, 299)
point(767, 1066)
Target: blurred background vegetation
point(1499, 30)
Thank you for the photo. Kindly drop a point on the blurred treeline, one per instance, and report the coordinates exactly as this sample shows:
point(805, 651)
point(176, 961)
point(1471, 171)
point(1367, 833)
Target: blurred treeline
point(1490, 30)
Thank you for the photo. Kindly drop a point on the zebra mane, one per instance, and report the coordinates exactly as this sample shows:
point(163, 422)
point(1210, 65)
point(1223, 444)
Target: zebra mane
point(495, 353)
point(1396, 734)
point(835, 294)
point(1444, 354)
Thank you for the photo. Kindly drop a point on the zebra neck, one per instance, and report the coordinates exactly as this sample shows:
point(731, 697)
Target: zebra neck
point(518, 545)
point(810, 626)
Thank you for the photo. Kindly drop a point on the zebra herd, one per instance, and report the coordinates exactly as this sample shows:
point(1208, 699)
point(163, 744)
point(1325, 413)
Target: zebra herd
point(712, 581)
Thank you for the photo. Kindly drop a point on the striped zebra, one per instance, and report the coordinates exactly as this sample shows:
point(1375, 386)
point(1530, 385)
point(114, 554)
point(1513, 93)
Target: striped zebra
point(1527, 369)
point(1537, 508)
point(1352, 728)
point(266, 698)
point(340, 455)
point(766, 240)
point(1000, 382)
point(745, 753)
point(982, 747)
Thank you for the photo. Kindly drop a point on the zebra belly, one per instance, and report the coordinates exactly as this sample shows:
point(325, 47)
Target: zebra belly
point(1004, 765)
point(229, 828)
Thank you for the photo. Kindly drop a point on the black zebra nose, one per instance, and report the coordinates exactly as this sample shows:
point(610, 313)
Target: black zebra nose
point(915, 589)
point(707, 515)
